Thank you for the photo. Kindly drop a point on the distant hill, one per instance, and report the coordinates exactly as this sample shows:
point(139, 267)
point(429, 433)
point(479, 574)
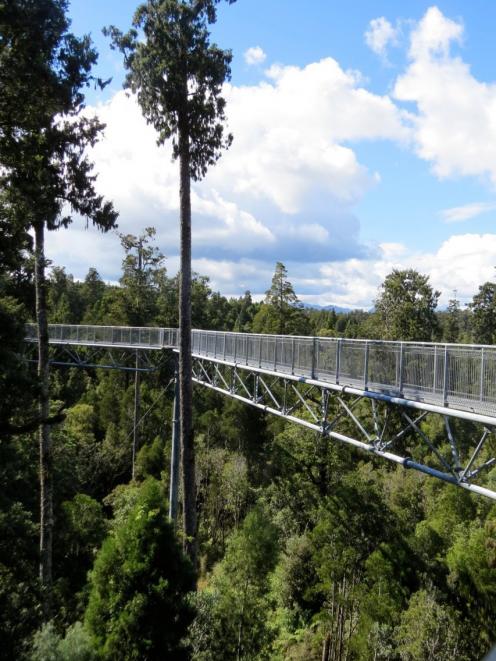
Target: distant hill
point(336, 308)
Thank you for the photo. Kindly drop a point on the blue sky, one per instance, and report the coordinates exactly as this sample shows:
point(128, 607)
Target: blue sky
point(363, 140)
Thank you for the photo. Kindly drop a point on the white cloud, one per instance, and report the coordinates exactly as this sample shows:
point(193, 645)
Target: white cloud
point(254, 55)
point(466, 212)
point(462, 262)
point(287, 188)
point(290, 134)
point(433, 35)
point(455, 126)
point(381, 34)
point(284, 191)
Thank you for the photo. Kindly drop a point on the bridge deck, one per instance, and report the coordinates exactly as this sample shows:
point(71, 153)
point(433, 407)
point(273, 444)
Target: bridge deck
point(455, 376)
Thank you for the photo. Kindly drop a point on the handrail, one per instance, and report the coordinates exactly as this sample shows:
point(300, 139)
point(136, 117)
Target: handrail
point(460, 376)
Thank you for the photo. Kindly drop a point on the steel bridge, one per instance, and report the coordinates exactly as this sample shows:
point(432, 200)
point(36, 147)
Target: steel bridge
point(370, 394)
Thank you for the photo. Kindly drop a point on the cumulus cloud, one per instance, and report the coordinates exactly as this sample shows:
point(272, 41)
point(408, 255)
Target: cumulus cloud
point(254, 55)
point(290, 132)
point(454, 127)
point(462, 262)
point(288, 188)
point(284, 191)
point(380, 35)
point(466, 212)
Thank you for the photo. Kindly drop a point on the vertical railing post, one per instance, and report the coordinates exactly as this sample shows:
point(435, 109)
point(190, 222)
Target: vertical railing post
point(314, 356)
point(292, 354)
point(434, 378)
point(275, 353)
point(401, 374)
point(260, 351)
point(366, 367)
point(481, 387)
point(174, 467)
point(338, 359)
point(446, 376)
point(235, 347)
point(225, 337)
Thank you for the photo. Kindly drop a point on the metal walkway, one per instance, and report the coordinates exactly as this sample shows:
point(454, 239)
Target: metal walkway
point(308, 380)
point(458, 377)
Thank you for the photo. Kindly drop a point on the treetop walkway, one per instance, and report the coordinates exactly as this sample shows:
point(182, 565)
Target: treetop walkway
point(318, 382)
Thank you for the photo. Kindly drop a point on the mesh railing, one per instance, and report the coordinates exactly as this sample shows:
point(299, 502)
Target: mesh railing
point(460, 376)
point(123, 336)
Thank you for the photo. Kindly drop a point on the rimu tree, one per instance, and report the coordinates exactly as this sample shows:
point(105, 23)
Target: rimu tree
point(178, 75)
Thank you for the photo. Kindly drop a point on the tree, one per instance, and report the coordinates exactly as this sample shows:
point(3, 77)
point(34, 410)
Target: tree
point(177, 75)
point(142, 273)
point(92, 291)
point(407, 305)
point(282, 313)
point(138, 606)
point(46, 176)
point(483, 309)
point(452, 327)
point(231, 622)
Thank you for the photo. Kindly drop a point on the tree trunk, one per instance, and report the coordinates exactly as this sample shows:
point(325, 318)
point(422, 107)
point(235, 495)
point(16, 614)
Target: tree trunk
point(185, 382)
point(326, 648)
point(45, 441)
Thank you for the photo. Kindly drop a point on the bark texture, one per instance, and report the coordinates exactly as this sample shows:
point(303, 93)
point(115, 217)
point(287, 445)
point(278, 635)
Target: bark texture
point(185, 382)
point(45, 440)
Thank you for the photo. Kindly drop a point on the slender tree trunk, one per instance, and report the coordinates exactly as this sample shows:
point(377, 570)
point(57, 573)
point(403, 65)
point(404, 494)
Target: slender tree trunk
point(45, 441)
point(185, 382)
point(326, 648)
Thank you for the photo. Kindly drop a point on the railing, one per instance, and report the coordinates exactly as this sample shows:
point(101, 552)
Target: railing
point(109, 336)
point(456, 375)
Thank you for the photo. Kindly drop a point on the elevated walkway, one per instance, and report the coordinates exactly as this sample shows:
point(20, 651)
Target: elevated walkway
point(455, 379)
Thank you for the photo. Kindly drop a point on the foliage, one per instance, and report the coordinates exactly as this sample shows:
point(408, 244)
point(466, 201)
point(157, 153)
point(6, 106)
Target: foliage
point(237, 596)
point(407, 304)
point(76, 645)
point(181, 91)
point(138, 588)
point(282, 313)
point(483, 309)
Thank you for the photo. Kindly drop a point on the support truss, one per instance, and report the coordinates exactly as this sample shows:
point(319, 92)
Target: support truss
point(381, 428)
point(108, 358)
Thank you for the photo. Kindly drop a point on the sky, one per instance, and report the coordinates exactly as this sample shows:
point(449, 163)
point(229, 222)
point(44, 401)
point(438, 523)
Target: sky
point(364, 141)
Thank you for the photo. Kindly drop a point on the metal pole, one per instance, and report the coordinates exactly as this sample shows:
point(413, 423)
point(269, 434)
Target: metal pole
point(446, 376)
point(400, 384)
point(136, 413)
point(174, 465)
point(366, 367)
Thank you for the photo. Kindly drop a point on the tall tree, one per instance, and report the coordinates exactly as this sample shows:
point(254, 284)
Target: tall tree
point(178, 75)
point(407, 305)
point(483, 309)
point(282, 313)
point(46, 174)
point(142, 274)
point(452, 326)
